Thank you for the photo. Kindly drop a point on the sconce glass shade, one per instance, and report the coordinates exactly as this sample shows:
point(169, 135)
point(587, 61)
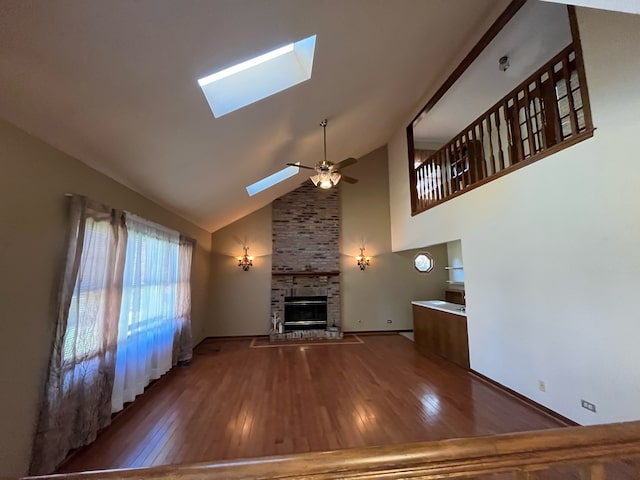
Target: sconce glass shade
point(362, 260)
point(245, 261)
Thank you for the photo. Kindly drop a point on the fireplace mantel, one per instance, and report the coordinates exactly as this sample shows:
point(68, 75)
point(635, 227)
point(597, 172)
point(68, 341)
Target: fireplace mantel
point(307, 273)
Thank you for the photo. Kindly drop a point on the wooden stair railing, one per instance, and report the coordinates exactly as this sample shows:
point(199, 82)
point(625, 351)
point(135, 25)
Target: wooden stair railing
point(547, 112)
point(527, 455)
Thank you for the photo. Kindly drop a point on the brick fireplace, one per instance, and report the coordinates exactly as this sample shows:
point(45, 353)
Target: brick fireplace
point(306, 257)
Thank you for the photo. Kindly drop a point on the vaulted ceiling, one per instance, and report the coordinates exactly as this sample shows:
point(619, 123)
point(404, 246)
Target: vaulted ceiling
point(114, 84)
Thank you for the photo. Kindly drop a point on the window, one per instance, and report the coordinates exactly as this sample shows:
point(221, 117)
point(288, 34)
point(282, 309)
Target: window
point(149, 306)
point(83, 339)
point(123, 319)
point(423, 262)
point(271, 180)
point(259, 77)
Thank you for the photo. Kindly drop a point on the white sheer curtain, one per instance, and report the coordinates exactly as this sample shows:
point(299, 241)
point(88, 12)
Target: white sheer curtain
point(77, 396)
point(148, 313)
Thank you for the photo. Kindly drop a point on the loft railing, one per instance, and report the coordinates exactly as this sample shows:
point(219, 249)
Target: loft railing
point(547, 112)
point(603, 452)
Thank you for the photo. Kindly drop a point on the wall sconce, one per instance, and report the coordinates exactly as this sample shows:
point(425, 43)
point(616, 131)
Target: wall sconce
point(363, 262)
point(245, 261)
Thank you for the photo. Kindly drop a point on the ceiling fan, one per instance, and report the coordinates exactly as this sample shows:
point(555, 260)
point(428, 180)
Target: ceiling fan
point(327, 173)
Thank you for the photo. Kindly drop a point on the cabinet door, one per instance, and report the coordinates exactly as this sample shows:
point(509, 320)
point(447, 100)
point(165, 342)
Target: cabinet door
point(440, 333)
point(420, 326)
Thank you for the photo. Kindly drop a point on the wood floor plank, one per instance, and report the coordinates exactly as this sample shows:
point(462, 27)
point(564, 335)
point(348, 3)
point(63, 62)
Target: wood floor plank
point(236, 402)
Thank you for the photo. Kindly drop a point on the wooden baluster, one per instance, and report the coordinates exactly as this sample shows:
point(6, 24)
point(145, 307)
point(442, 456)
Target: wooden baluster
point(423, 192)
point(486, 140)
point(480, 137)
point(452, 166)
point(490, 134)
point(567, 78)
point(451, 150)
point(500, 152)
point(416, 176)
point(427, 190)
point(477, 156)
point(463, 154)
point(425, 184)
point(446, 172)
point(517, 129)
point(510, 140)
point(422, 189)
point(468, 162)
point(593, 472)
point(434, 181)
point(476, 153)
point(527, 115)
point(440, 179)
point(418, 186)
point(443, 174)
point(425, 197)
point(551, 113)
point(429, 183)
point(542, 134)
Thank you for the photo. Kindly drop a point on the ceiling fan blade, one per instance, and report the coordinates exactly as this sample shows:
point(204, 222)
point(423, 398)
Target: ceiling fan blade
point(301, 166)
point(344, 178)
point(344, 163)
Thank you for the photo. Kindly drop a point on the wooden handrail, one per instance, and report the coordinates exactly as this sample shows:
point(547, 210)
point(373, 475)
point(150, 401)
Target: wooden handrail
point(585, 447)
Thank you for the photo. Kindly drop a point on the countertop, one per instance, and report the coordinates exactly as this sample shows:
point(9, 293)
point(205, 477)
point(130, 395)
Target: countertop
point(442, 306)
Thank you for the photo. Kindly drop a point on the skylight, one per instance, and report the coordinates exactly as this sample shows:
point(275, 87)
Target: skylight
point(259, 77)
point(271, 180)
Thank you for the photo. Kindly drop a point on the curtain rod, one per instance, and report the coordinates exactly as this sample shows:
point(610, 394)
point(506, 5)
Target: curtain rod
point(187, 237)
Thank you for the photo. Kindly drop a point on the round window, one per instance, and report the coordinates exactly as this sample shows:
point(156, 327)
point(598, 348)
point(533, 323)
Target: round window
point(423, 262)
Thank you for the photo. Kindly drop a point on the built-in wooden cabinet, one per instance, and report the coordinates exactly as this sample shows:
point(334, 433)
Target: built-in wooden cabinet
point(441, 333)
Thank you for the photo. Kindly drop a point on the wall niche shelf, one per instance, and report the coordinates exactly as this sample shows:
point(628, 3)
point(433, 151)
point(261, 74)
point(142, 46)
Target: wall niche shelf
point(454, 268)
point(453, 282)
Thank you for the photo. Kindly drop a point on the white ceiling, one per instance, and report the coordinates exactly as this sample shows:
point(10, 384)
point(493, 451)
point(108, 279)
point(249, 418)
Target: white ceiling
point(626, 6)
point(533, 36)
point(114, 84)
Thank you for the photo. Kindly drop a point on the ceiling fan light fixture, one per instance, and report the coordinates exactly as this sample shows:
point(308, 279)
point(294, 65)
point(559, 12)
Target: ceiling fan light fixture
point(326, 184)
point(327, 174)
point(325, 177)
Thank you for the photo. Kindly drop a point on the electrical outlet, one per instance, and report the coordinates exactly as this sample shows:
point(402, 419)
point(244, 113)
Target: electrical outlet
point(588, 405)
point(541, 386)
point(389, 321)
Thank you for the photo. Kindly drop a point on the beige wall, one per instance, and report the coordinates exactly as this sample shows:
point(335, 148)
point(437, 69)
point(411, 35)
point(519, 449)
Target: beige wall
point(551, 251)
point(385, 289)
point(240, 301)
point(33, 211)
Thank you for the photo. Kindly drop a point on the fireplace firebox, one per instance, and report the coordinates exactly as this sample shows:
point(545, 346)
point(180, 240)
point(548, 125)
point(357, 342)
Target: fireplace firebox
point(305, 313)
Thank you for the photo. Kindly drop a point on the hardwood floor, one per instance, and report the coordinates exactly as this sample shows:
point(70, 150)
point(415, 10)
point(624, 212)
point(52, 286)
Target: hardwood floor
point(235, 402)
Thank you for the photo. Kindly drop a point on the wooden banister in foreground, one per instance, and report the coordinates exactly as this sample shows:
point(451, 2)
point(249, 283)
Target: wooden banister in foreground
point(587, 448)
